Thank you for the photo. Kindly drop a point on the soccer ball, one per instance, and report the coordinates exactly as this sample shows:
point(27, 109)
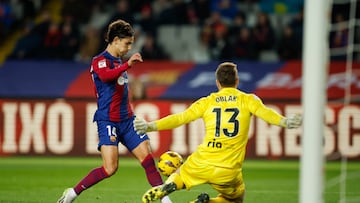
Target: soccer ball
point(169, 162)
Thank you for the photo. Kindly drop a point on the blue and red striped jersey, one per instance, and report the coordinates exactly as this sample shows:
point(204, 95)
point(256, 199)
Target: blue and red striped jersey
point(111, 88)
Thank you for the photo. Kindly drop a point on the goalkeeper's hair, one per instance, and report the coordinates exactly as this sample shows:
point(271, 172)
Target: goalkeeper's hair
point(226, 74)
point(120, 29)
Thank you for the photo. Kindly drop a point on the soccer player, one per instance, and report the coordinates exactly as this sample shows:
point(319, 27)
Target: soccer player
point(218, 160)
point(114, 115)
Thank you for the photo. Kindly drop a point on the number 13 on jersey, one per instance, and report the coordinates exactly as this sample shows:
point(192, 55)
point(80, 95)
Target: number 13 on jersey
point(226, 121)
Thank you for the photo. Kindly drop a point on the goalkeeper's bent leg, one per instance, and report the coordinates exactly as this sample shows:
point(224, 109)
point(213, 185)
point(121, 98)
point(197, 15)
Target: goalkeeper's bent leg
point(175, 178)
point(222, 199)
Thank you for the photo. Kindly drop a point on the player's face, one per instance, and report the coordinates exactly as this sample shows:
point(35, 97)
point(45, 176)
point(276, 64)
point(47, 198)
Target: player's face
point(123, 45)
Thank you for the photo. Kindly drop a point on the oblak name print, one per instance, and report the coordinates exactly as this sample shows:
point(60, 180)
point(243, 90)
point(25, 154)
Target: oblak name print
point(230, 98)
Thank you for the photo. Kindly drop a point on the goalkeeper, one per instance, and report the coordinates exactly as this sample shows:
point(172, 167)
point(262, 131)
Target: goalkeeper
point(218, 160)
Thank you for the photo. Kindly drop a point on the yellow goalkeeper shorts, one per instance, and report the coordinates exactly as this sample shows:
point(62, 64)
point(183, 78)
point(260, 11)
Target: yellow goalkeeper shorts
point(228, 182)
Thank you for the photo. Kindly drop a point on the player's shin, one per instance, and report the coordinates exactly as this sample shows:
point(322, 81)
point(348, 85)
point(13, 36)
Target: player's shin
point(152, 174)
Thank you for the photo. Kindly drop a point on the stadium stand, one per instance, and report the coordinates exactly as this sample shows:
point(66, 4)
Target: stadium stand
point(199, 30)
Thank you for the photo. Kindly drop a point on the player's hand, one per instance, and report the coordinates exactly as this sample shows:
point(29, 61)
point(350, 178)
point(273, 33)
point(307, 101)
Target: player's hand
point(141, 126)
point(294, 121)
point(135, 58)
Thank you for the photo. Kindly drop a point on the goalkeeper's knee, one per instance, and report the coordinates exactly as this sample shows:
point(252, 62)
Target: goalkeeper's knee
point(175, 178)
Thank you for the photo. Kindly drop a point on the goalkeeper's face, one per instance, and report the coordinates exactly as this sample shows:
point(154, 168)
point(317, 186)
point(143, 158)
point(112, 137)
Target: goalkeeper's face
point(123, 45)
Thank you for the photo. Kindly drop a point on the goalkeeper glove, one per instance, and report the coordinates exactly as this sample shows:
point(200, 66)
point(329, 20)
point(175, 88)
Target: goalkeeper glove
point(141, 126)
point(294, 121)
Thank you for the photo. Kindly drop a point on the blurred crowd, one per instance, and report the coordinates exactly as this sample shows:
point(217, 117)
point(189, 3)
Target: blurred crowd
point(227, 29)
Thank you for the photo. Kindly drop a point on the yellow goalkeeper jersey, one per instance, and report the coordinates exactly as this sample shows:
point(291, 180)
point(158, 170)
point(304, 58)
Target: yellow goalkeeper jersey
point(226, 115)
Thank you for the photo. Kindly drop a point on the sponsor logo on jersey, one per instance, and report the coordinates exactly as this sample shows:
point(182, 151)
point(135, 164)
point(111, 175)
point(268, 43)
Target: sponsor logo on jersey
point(214, 144)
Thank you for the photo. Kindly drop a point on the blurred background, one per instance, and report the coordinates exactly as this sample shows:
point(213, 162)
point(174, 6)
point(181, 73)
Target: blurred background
point(46, 46)
point(177, 30)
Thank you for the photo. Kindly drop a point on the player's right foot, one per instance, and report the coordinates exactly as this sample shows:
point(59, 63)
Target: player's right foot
point(158, 192)
point(66, 196)
point(202, 198)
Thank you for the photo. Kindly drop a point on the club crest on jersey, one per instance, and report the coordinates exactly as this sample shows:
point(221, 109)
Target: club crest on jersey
point(102, 64)
point(121, 80)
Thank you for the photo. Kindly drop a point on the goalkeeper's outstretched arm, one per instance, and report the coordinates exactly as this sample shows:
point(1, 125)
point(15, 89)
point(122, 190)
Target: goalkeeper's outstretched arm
point(272, 117)
point(169, 122)
point(269, 115)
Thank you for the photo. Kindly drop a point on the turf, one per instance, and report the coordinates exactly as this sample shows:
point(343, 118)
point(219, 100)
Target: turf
point(43, 179)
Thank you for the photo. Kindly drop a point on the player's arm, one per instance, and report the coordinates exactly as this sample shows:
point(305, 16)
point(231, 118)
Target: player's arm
point(271, 116)
point(192, 113)
point(102, 68)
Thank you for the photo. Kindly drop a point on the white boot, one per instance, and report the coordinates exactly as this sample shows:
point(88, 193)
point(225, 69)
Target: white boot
point(68, 196)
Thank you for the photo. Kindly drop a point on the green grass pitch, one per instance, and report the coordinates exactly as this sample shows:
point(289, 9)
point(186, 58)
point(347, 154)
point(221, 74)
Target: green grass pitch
point(43, 179)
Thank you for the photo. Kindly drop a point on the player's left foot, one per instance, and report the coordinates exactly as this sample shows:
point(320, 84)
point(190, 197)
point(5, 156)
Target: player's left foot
point(202, 198)
point(66, 196)
point(158, 192)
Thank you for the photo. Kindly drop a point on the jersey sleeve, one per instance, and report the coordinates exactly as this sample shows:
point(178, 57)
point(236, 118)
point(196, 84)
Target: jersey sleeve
point(258, 109)
point(195, 111)
point(102, 68)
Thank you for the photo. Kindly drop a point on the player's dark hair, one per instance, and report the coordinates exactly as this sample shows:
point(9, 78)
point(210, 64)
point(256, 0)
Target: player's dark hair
point(226, 74)
point(120, 29)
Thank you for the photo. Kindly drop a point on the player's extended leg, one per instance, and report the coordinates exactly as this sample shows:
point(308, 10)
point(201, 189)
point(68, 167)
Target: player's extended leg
point(222, 199)
point(174, 182)
point(142, 153)
point(204, 198)
point(233, 193)
point(109, 156)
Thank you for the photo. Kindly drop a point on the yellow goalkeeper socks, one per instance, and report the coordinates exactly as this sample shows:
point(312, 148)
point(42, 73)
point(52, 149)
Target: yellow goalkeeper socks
point(175, 178)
